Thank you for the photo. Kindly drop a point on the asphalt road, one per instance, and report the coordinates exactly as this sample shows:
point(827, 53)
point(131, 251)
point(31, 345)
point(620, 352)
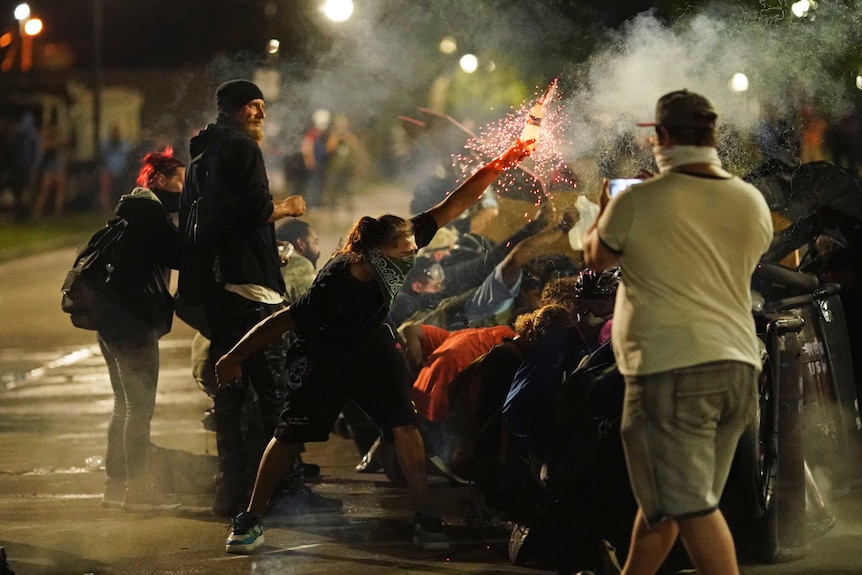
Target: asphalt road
point(55, 402)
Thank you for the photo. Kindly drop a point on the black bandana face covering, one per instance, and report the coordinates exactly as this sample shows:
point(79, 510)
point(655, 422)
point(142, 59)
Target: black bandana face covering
point(170, 200)
point(390, 273)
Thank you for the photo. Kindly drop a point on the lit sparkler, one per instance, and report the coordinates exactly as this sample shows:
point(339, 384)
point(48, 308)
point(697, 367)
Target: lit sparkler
point(547, 171)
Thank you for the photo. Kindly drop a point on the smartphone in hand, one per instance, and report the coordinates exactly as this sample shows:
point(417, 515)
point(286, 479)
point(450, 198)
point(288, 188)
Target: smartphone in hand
point(619, 184)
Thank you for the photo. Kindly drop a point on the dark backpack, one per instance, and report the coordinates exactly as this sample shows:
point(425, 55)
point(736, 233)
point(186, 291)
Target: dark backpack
point(590, 400)
point(476, 397)
point(199, 275)
point(90, 285)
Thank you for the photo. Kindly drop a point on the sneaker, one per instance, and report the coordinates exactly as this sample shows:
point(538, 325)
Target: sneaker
point(428, 532)
point(608, 563)
point(148, 500)
point(302, 501)
point(246, 534)
point(370, 462)
point(115, 492)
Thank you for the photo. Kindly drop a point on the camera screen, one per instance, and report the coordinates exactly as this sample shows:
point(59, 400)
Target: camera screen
point(620, 184)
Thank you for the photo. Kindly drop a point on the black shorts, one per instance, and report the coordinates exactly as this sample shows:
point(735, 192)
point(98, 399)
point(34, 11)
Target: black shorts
point(320, 381)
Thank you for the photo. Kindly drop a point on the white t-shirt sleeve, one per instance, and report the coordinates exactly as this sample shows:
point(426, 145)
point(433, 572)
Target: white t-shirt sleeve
point(616, 221)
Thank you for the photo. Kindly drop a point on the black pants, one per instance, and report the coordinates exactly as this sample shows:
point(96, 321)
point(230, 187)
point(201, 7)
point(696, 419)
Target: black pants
point(131, 350)
point(230, 316)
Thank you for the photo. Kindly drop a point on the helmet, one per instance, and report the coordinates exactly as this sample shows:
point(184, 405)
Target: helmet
point(596, 292)
point(592, 285)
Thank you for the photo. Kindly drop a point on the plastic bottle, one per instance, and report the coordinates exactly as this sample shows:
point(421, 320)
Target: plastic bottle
point(533, 123)
point(588, 212)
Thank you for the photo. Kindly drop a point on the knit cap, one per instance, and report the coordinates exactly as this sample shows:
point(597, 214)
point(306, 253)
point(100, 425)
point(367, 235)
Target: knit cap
point(234, 94)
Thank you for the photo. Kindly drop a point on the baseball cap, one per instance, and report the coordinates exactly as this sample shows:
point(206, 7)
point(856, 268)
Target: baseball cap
point(683, 109)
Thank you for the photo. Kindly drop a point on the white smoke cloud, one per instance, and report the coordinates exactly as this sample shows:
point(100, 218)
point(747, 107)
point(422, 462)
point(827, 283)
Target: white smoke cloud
point(383, 62)
point(788, 63)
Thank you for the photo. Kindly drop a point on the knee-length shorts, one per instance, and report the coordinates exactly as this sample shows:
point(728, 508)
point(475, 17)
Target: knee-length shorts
point(320, 380)
point(680, 429)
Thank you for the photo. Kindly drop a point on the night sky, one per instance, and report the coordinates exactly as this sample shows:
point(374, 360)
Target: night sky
point(175, 33)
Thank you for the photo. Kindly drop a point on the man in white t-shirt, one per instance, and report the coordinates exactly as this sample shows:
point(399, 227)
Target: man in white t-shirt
point(687, 242)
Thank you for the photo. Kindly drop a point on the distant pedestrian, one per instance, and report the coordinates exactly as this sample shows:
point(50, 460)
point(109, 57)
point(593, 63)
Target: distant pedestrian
point(52, 168)
point(347, 160)
point(21, 156)
point(115, 160)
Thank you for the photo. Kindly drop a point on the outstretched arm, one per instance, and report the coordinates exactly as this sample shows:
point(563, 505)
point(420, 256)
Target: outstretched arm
point(268, 330)
point(471, 190)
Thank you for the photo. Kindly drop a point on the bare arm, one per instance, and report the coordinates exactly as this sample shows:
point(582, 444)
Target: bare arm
point(291, 207)
point(268, 330)
point(532, 247)
point(413, 337)
point(596, 255)
point(471, 190)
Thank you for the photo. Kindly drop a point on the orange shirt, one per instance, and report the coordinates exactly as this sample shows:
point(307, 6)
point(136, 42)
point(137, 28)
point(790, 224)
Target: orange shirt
point(450, 356)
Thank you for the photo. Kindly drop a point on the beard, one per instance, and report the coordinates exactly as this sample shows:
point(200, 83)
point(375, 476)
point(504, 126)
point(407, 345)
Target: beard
point(254, 132)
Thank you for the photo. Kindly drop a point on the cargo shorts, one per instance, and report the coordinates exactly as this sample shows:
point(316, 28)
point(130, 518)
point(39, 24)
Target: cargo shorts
point(680, 429)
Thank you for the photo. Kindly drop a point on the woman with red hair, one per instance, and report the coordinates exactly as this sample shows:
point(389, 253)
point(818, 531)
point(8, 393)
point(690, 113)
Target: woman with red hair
point(135, 319)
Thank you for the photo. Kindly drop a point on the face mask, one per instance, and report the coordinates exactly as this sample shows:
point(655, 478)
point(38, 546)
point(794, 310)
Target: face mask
point(390, 273)
point(170, 200)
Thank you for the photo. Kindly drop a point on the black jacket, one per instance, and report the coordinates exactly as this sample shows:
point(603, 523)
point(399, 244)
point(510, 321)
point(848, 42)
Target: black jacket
point(236, 183)
point(153, 247)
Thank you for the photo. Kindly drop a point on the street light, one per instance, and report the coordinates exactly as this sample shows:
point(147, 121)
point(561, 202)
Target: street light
point(338, 10)
point(27, 28)
point(31, 27)
point(469, 63)
point(739, 82)
point(22, 12)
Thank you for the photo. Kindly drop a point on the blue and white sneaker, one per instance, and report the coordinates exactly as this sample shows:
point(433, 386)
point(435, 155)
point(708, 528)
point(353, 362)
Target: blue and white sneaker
point(246, 534)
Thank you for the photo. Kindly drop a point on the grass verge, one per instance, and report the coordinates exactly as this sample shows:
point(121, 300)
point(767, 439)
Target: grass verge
point(21, 238)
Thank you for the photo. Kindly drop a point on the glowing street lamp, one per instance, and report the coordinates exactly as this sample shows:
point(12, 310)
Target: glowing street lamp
point(31, 28)
point(804, 8)
point(338, 10)
point(22, 12)
point(739, 82)
point(27, 28)
point(448, 45)
point(469, 63)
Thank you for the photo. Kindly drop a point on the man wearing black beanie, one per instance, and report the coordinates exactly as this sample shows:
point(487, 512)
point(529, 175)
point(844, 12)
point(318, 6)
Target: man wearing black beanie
point(226, 199)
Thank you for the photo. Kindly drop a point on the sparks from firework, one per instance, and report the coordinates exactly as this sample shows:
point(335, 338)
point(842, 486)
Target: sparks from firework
point(537, 177)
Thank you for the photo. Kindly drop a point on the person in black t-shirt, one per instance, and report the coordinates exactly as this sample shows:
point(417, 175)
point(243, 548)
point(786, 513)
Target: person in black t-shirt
point(345, 349)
